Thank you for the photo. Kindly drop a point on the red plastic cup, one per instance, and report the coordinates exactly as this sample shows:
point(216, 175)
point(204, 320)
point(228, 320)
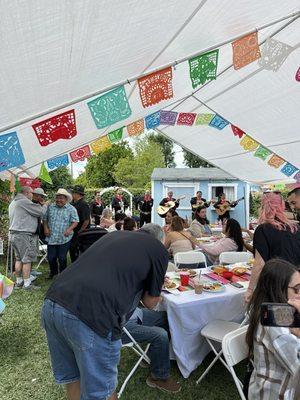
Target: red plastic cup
point(184, 278)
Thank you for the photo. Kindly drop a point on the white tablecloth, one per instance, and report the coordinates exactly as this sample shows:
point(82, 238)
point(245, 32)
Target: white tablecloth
point(188, 313)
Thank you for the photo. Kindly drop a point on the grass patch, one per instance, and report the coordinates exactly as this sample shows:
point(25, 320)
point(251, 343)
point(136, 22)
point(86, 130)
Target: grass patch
point(26, 372)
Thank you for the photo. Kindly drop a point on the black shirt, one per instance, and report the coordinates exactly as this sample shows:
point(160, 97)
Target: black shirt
point(194, 202)
point(271, 243)
point(83, 211)
point(166, 200)
point(103, 285)
point(145, 206)
point(96, 208)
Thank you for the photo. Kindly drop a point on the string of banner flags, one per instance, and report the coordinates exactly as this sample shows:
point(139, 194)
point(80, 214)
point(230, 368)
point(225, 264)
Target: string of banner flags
point(113, 107)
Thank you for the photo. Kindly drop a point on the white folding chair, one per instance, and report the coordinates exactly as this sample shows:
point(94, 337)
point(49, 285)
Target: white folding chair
point(235, 350)
point(232, 257)
point(215, 331)
point(190, 257)
point(142, 354)
point(42, 253)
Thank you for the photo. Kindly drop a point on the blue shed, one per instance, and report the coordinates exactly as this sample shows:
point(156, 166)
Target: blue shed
point(211, 181)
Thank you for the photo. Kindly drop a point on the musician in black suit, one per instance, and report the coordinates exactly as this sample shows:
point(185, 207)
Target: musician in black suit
point(223, 202)
point(145, 205)
point(119, 203)
point(166, 200)
point(198, 201)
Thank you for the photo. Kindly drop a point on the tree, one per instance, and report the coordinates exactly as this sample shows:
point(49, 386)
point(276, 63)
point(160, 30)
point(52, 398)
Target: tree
point(136, 172)
point(193, 161)
point(99, 170)
point(166, 147)
point(61, 178)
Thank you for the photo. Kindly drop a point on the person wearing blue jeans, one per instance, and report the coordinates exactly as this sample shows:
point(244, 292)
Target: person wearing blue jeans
point(57, 257)
point(148, 326)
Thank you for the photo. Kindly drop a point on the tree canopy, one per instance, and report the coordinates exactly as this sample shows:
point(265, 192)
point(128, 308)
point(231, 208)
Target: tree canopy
point(166, 147)
point(192, 161)
point(136, 171)
point(61, 178)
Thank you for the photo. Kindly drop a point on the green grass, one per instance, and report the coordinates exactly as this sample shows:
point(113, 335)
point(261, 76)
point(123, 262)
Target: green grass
point(25, 371)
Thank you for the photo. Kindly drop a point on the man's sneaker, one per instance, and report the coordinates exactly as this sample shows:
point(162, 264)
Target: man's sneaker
point(33, 277)
point(166, 385)
point(31, 287)
point(34, 272)
point(19, 285)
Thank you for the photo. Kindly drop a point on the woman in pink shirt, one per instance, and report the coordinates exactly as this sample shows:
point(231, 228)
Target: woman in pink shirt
point(233, 241)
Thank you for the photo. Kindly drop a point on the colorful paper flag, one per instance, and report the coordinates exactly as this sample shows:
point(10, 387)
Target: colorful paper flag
point(245, 50)
point(44, 174)
point(297, 76)
point(60, 161)
point(11, 154)
point(288, 169)
point(152, 120)
point(248, 143)
point(218, 122)
point(275, 161)
point(81, 154)
point(62, 126)
point(110, 108)
point(7, 286)
point(168, 117)
point(203, 68)
point(186, 118)
point(136, 127)
point(237, 131)
point(297, 176)
point(262, 153)
point(156, 87)
point(100, 144)
point(273, 54)
point(34, 183)
point(115, 135)
point(204, 119)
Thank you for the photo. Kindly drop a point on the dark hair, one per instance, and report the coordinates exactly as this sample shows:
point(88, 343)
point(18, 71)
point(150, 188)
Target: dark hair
point(177, 224)
point(120, 216)
point(295, 191)
point(172, 212)
point(202, 221)
point(129, 224)
point(272, 287)
point(199, 191)
point(234, 231)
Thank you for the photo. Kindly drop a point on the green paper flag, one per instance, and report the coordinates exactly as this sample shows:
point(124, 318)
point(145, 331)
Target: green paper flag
point(203, 68)
point(262, 153)
point(116, 135)
point(17, 185)
point(44, 174)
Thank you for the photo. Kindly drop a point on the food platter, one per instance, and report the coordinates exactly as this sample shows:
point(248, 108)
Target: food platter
point(213, 287)
point(171, 285)
point(191, 272)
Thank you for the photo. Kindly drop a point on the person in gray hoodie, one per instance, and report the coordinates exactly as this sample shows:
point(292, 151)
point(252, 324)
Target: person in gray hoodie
point(23, 223)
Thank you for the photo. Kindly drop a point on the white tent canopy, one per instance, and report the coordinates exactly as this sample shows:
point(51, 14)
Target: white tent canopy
point(56, 52)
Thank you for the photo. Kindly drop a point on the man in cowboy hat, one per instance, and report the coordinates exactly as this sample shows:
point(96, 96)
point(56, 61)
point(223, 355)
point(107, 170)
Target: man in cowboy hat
point(84, 214)
point(60, 220)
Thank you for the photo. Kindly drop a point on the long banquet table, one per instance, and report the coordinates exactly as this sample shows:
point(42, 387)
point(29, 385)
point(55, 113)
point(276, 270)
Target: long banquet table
point(188, 313)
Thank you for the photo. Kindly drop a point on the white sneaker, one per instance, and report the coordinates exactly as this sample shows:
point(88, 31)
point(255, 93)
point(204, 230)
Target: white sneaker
point(32, 278)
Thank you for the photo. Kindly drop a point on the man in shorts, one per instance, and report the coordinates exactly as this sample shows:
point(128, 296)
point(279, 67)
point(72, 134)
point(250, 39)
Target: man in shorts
point(86, 308)
point(23, 224)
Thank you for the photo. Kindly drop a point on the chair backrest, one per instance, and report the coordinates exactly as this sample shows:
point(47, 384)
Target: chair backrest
point(190, 258)
point(234, 346)
point(232, 257)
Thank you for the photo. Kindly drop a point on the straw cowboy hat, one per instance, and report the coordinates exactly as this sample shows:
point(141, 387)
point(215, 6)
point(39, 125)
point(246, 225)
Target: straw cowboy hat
point(64, 192)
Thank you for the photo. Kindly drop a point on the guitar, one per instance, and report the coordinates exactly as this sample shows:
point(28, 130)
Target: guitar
point(195, 206)
point(162, 210)
point(223, 208)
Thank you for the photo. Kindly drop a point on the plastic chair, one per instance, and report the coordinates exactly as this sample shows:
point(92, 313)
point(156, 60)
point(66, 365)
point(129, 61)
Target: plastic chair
point(232, 257)
point(215, 331)
point(42, 252)
point(190, 259)
point(235, 350)
point(133, 344)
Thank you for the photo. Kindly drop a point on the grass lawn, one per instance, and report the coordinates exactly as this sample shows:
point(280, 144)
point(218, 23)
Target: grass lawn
point(25, 371)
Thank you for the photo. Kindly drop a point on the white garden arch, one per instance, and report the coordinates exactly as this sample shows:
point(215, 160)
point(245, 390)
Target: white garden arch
point(114, 189)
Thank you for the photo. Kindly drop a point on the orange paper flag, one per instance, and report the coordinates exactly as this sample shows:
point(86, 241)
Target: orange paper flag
point(245, 50)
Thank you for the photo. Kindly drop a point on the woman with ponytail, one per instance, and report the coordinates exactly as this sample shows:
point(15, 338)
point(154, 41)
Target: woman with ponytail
point(275, 237)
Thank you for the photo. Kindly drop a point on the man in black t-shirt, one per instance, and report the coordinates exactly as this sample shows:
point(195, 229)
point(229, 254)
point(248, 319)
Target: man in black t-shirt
point(294, 202)
point(83, 211)
point(86, 308)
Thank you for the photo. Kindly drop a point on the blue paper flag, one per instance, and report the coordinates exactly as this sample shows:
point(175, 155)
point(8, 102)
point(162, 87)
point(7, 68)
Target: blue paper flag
point(288, 169)
point(60, 161)
point(218, 122)
point(152, 120)
point(110, 108)
point(11, 154)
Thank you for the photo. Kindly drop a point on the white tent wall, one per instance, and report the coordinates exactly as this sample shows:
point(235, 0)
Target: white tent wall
point(55, 51)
